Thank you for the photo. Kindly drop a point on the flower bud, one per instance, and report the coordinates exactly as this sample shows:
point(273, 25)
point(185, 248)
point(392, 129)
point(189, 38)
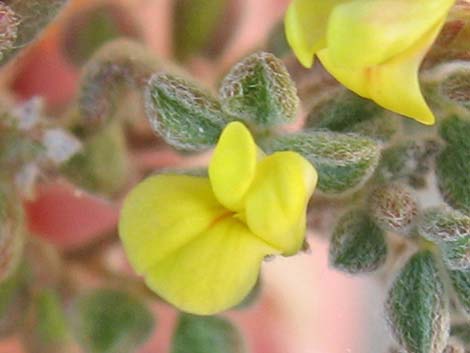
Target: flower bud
point(394, 207)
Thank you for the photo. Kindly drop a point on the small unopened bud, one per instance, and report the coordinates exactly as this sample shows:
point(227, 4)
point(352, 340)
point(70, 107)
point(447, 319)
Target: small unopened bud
point(186, 116)
point(417, 306)
point(443, 224)
point(394, 207)
point(260, 91)
point(358, 244)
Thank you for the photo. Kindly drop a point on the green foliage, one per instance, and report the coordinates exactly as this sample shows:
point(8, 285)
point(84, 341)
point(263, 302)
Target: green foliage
point(194, 24)
point(394, 208)
point(453, 163)
point(109, 321)
point(12, 233)
point(462, 332)
point(14, 297)
point(47, 329)
point(456, 253)
point(358, 244)
point(187, 117)
point(259, 91)
point(347, 112)
point(442, 224)
point(461, 283)
point(344, 161)
point(87, 30)
point(22, 21)
point(417, 307)
point(409, 161)
point(102, 166)
point(118, 65)
point(203, 334)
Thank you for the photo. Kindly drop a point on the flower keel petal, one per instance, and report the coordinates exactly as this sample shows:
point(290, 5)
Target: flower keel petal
point(213, 272)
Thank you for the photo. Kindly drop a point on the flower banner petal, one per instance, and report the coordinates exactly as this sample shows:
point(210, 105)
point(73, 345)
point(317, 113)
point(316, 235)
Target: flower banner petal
point(276, 202)
point(163, 213)
point(306, 24)
point(233, 165)
point(366, 33)
point(212, 273)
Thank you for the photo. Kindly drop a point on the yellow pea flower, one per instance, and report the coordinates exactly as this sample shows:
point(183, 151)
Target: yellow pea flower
point(373, 47)
point(199, 242)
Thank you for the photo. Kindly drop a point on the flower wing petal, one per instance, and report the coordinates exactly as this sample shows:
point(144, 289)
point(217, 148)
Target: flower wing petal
point(163, 213)
point(276, 203)
point(233, 165)
point(366, 33)
point(305, 25)
point(214, 272)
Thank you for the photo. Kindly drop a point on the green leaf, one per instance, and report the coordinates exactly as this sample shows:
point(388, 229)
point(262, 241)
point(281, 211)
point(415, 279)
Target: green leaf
point(259, 91)
point(358, 244)
point(109, 321)
point(348, 112)
point(394, 207)
point(23, 20)
point(453, 163)
point(443, 224)
point(417, 306)
point(113, 69)
point(194, 24)
point(46, 330)
point(344, 162)
point(186, 116)
point(408, 161)
point(203, 334)
point(461, 283)
point(456, 253)
point(102, 166)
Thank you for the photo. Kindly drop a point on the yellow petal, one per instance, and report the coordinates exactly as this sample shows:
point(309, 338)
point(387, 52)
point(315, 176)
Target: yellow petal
point(367, 33)
point(394, 84)
point(213, 272)
point(276, 203)
point(233, 165)
point(306, 25)
point(163, 213)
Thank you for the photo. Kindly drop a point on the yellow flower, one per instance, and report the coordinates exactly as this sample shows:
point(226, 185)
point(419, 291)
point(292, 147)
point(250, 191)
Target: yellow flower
point(199, 242)
point(373, 47)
